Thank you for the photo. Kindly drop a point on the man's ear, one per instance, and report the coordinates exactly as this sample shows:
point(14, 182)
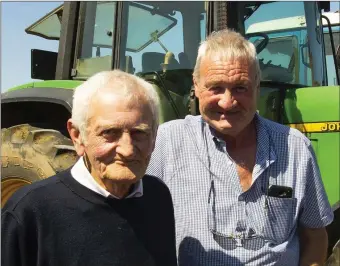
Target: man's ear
point(76, 138)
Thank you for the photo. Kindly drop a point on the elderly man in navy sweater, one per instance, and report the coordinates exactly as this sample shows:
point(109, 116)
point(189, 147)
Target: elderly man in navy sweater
point(104, 210)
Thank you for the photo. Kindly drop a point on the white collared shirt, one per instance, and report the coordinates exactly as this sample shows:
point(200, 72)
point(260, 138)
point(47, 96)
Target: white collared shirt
point(83, 176)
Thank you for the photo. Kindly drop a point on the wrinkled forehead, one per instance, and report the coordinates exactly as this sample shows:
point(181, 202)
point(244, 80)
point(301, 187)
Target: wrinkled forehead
point(131, 97)
point(223, 63)
point(226, 56)
point(109, 103)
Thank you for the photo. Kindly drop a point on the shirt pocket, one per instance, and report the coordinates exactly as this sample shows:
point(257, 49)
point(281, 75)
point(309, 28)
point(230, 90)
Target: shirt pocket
point(279, 219)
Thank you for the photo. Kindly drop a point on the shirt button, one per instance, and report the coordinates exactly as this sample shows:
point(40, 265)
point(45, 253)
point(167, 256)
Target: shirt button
point(240, 198)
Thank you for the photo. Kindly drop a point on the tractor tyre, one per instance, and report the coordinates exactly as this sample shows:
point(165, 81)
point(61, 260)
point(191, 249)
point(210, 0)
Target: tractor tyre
point(29, 154)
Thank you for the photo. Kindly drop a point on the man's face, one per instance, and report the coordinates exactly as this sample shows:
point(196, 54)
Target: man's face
point(227, 94)
point(119, 139)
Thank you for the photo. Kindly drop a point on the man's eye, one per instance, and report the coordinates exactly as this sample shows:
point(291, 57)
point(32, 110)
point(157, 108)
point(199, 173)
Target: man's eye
point(216, 89)
point(240, 89)
point(110, 132)
point(139, 134)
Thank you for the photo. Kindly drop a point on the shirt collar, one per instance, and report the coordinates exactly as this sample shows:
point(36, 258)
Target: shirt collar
point(80, 173)
point(265, 145)
point(265, 154)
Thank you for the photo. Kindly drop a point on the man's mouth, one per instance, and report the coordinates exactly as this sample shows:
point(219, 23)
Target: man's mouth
point(125, 163)
point(226, 114)
point(120, 162)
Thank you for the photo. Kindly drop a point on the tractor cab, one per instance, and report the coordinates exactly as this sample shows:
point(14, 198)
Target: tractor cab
point(159, 40)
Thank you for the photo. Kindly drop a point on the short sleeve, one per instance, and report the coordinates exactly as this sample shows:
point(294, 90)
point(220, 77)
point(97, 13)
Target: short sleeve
point(316, 211)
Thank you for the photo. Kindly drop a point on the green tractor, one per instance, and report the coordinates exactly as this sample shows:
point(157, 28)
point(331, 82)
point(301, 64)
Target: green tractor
point(158, 41)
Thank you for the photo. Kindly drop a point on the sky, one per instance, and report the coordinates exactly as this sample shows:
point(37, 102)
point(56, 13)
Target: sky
point(16, 44)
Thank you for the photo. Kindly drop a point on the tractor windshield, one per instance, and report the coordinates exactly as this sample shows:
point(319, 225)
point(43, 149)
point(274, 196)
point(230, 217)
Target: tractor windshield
point(154, 36)
point(163, 36)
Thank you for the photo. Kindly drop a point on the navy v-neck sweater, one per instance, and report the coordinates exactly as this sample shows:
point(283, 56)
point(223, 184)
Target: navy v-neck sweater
point(60, 222)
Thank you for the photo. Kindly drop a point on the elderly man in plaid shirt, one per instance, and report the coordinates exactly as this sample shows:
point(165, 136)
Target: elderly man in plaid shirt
point(246, 190)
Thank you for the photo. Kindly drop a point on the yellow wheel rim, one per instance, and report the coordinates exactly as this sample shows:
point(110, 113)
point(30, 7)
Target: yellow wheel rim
point(9, 186)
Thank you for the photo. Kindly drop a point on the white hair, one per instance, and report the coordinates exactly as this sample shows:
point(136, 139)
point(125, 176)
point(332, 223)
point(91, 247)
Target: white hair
point(123, 84)
point(227, 45)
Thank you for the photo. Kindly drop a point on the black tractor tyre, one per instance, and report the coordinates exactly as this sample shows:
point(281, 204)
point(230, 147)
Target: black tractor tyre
point(29, 154)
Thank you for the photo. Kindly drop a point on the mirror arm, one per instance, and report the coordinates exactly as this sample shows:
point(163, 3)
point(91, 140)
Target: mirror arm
point(154, 38)
point(161, 44)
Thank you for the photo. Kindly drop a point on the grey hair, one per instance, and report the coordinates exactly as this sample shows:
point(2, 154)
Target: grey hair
point(227, 45)
point(124, 84)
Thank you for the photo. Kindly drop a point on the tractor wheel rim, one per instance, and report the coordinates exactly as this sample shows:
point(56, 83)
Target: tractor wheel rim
point(9, 186)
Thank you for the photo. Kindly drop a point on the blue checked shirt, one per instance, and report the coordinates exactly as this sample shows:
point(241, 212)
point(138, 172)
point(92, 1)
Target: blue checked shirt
point(219, 224)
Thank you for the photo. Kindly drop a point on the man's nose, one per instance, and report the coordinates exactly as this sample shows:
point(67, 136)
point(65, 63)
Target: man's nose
point(227, 100)
point(125, 146)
